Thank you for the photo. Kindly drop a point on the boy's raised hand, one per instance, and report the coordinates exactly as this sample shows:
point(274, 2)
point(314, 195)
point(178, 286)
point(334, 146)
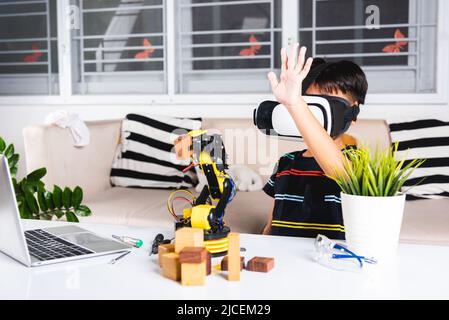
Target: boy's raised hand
point(288, 89)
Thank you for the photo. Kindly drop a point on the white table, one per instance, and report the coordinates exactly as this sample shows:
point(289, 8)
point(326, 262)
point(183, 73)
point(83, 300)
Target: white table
point(419, 272)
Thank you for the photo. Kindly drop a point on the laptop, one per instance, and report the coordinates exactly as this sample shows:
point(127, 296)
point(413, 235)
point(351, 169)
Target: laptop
point(48, 245)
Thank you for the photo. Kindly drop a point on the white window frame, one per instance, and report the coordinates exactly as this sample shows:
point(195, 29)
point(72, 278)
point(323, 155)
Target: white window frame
point(228, 105)
point(33, 81)
point(193, 81)
point(90, 82)
point(420, 62)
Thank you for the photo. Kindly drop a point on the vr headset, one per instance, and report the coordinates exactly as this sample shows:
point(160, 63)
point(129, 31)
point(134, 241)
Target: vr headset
point(333, 113)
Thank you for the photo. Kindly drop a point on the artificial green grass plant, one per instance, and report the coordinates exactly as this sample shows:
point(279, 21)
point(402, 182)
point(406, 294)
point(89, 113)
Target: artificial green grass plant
point(381, 175)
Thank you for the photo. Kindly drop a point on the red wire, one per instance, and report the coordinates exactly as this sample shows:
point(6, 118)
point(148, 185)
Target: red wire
point(182, 198)
point(192, 165)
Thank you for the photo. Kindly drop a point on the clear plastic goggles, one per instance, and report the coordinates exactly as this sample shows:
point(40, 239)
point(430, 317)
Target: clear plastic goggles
point(337, 256)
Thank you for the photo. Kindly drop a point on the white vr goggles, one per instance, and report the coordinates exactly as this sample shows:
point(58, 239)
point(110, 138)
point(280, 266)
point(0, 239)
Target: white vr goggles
point(333, 113)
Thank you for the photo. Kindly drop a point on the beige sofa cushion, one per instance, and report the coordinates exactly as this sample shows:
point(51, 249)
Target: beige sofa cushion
point(426, 221)
point(126, 206)
point(88, 167)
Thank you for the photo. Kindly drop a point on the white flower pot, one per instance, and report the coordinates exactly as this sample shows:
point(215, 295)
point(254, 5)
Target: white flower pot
point(373, 224)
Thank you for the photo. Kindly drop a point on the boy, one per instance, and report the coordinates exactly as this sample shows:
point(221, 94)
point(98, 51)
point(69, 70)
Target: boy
point(307, 202)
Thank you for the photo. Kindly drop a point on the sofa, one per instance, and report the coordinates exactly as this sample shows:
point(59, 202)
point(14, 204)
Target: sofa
point(425, 221)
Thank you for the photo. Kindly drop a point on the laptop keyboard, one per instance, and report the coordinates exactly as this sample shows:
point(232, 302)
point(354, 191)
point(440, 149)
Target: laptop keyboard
point(45, 246)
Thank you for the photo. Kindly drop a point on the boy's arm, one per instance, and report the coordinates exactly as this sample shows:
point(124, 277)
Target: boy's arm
point(267, 230)
point(324, 149)
point(288, 92)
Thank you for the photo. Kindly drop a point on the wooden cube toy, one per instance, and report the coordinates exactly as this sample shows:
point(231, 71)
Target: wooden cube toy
point(260, 264)
point(224, 263)
point(171, 267)
point(193, 274)
point(163, 249)
point(188, 237)
point(193, 255)
point(234, 257)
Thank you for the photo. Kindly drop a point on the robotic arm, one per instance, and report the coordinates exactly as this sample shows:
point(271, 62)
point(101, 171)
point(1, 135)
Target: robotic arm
point(207, 151)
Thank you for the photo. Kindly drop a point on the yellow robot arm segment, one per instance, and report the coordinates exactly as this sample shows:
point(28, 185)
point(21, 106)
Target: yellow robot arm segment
point(200, 216)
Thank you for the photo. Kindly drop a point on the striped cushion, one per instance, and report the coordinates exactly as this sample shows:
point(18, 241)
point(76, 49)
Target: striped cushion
point(145, 157)
point(425, 139)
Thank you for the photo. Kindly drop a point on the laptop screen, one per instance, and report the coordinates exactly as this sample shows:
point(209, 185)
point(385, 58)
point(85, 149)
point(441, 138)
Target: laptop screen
point(12, 240)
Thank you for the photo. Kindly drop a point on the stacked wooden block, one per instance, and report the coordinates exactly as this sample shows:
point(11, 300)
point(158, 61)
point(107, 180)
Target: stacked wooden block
point(188, 261)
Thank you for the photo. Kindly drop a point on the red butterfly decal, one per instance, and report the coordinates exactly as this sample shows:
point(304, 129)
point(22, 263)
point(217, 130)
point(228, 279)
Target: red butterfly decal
point(35, 56)
point(147, 53)
point(396, 47)
point(253, 49)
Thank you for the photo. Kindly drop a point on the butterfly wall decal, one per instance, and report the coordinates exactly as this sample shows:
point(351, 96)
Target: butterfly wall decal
point(253, 49)
point(396, 47)
point(148, 52)
point(35, 56)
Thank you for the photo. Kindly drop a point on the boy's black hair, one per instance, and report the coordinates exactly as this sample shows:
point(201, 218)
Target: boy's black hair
point(343, 75)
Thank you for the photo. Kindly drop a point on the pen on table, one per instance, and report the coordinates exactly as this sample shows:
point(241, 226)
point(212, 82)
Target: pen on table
point(113, 261)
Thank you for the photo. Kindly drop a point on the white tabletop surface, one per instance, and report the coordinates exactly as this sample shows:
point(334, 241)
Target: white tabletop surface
point(419, 272)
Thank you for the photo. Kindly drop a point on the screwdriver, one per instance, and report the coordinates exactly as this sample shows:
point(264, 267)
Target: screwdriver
point(137, 243)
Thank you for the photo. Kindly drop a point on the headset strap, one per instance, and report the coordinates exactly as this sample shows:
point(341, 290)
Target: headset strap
point(352, 113)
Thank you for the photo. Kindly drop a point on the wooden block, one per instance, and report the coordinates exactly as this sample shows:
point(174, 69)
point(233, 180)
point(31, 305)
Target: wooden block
point(234, 257)
point(188, 237)
point(260, 264)
point(224, 263)
point(193, 274)
point(193, 255)
point(163, 249)
point(208, 263)
point(171, 267)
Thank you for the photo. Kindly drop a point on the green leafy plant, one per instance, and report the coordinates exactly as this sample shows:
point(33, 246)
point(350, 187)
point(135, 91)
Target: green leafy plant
point(35, 202)
point(381, 175)
point(9, 153)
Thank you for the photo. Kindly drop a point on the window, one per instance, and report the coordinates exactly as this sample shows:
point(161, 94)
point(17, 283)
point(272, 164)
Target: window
point(187, 52)
point(28, 48)
point(400, 56)
point(227, 46)
point(119, 47)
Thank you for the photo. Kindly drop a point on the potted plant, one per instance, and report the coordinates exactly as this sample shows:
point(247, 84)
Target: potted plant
point(372, 201)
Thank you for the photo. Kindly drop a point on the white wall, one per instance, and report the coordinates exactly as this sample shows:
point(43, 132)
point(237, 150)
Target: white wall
point(14, 118)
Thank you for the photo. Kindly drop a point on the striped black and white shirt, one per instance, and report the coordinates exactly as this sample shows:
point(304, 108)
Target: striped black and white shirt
point(307, 203)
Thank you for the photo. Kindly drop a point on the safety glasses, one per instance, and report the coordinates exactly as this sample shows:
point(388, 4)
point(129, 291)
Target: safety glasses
point(337, 256)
